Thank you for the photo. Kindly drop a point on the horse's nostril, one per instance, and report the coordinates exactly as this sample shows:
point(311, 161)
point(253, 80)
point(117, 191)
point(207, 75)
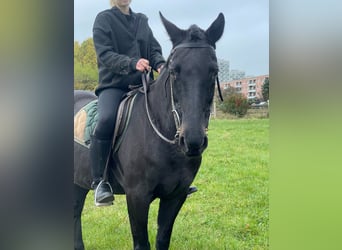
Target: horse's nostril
point(193, 145)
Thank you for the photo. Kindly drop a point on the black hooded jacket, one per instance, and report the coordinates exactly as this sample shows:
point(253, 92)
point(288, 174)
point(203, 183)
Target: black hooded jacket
point(120, 41)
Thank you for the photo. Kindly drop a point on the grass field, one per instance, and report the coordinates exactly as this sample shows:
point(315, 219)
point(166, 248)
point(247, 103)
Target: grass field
point(230, 210)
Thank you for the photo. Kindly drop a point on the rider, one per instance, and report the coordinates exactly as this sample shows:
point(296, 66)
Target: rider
point(125, 47)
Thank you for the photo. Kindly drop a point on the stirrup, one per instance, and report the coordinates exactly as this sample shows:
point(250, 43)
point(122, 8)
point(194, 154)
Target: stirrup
point(102, 204)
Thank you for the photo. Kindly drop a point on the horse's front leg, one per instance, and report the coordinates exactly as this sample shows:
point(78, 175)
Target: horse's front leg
point(168, 211)
point(79, 198)
point(138, 206)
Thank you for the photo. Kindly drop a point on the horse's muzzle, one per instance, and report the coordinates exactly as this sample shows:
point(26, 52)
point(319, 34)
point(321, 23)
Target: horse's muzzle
point(193, 145)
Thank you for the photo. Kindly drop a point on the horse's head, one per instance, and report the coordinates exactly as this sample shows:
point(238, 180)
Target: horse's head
point(193, 68)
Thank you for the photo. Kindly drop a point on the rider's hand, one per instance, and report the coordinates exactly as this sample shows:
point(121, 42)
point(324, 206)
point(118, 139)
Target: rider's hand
point(160, 68)
point(143, 65)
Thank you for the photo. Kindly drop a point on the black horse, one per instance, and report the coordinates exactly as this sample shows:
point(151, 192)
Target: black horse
point(161, 150)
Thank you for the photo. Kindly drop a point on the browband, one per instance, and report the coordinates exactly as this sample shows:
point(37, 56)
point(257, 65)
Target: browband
point(192, 45)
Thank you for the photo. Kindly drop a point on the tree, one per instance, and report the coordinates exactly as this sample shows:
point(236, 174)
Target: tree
point(87, 53)
point(85, 65)
point(266, 89)
point(77, 47)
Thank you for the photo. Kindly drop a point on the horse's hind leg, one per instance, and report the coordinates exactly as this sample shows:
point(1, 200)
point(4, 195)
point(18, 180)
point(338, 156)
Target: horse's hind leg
point(168, 211)
point(138, 206)
point(79, 198)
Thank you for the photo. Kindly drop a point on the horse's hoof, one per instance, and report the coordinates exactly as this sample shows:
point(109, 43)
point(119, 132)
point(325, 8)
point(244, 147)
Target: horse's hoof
point(192, 190)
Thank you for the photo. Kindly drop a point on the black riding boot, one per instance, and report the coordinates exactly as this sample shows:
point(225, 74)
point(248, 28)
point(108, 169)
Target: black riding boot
point(99, 152)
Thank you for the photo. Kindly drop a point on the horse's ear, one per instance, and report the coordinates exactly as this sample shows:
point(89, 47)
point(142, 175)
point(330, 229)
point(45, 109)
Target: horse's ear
point(215, 31)
point(176, 34)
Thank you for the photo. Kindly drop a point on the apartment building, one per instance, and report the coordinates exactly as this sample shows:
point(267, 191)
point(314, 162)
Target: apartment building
point(235, 74)
point(223, 73)
point(250, 87)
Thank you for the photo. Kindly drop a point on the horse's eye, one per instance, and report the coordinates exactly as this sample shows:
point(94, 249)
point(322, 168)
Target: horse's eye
point(174, 71)
point(177, 68)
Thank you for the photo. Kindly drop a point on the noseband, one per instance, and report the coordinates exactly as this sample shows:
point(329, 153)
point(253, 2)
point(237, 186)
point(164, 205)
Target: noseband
point(173, 107)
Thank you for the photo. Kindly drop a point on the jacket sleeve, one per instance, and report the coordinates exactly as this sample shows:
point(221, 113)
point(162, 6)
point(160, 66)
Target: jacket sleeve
point(157, 58)
point(106, 49)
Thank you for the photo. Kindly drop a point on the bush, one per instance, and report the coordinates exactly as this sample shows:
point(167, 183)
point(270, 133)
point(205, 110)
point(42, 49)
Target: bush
point(235, 104)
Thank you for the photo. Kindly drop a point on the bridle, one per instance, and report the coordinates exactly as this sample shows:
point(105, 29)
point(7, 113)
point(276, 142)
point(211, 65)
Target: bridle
point(176, 117)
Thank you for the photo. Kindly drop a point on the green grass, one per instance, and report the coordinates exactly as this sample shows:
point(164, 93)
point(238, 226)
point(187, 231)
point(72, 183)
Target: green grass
point(230, 210)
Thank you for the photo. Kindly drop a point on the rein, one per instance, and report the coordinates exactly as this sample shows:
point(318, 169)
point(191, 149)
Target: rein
point(177, 122)
point(145, 78)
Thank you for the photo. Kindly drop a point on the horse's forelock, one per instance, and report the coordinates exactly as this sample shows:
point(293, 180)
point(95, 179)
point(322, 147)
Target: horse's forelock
point(195, 33)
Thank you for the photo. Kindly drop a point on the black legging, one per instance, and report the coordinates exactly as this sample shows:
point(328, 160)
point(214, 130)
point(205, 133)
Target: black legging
point(108, 104)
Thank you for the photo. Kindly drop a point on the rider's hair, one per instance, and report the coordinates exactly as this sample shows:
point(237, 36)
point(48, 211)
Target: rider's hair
point(112, 3)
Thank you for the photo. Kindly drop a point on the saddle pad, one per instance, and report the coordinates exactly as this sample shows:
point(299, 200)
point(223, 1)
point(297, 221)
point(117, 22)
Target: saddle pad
point(84, 123)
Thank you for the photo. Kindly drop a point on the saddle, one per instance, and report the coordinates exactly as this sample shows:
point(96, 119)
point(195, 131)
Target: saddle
point(85, 120)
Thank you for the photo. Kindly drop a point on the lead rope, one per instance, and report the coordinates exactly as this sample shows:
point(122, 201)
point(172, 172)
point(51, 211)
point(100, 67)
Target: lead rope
point(144, 80)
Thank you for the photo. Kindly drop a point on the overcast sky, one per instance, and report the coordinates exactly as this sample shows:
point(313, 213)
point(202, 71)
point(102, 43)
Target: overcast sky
point(245, 41)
